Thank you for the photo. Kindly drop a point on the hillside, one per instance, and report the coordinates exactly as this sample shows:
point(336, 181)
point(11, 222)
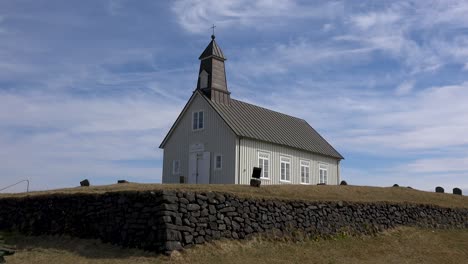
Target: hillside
point(287, 192)
point(403, 245)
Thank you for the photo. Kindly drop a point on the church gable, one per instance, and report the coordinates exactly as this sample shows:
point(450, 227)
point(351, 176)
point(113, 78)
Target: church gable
point(196, 120)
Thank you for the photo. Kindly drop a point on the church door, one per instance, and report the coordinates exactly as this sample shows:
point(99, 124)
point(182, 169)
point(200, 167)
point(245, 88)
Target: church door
point(199, 168)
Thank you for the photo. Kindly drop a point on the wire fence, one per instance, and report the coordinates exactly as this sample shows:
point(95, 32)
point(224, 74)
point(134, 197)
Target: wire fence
point(9, 186)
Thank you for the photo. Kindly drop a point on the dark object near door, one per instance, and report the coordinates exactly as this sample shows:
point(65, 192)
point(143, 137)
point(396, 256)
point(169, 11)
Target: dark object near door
point(84, 183)
point(343, 183)
point(256, 173)
point(439, 189)
point(457, 191)
point(255, 182)
point(122, 181)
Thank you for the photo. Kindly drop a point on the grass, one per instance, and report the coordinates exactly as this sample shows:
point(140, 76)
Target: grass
point(402, 245)
point(288, 192)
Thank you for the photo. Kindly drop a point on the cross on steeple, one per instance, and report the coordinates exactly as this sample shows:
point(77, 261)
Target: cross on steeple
point(213, 28)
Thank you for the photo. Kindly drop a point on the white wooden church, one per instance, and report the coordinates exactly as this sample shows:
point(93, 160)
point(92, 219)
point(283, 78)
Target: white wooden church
point(217, 139)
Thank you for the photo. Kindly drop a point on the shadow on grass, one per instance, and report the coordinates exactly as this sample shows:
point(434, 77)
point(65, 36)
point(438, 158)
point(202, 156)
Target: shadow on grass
point(88, 248)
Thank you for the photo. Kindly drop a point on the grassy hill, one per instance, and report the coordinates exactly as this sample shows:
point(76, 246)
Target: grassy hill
point(288, 192)
point(403, 245)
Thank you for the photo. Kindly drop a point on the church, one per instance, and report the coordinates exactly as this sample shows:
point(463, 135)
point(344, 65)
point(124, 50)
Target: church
point(217, 139)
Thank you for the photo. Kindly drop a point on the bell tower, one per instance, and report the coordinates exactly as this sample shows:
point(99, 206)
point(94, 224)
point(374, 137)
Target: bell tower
point(212, 74)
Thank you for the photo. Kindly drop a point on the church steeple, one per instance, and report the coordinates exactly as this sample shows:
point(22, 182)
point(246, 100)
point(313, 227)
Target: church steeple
point(212, 74)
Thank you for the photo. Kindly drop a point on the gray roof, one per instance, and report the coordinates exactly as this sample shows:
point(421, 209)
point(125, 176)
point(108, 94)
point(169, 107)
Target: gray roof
point(212, 50)
point(251, 121)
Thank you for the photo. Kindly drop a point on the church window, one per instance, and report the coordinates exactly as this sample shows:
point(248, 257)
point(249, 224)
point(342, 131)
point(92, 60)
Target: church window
point(323, 173)
point(285, 169)
point(264, 164)
point(175, 167)
point(218, 162)
point(198, 120)
point(305, 171)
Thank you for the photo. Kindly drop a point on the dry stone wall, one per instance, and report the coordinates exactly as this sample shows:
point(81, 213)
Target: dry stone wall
point(163, 221)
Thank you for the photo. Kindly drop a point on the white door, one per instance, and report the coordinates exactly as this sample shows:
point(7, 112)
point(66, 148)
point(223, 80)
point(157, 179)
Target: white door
point(199, 168)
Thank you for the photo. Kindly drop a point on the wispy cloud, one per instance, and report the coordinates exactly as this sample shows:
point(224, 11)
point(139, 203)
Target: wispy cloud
point(63, 135)
point(90, 90)
point(404, 88)
point(196, 16)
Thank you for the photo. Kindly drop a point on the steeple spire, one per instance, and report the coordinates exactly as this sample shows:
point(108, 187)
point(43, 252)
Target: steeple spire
point(212, 74)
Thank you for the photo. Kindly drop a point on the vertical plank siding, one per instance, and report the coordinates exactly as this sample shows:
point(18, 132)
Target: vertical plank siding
point(217, 137)
point(249, 158)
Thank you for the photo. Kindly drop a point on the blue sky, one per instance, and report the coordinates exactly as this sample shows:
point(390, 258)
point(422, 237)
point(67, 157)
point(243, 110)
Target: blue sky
point(88, 89)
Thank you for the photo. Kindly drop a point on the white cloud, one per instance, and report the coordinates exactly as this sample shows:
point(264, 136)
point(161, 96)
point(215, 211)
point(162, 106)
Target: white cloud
point(63, 139)
point(444, 165)
point(327, 27)
point(366, 21)
point(404, 88)
point(197, 16)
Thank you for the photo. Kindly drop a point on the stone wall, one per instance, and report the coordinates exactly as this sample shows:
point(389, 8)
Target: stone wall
point(166, 220)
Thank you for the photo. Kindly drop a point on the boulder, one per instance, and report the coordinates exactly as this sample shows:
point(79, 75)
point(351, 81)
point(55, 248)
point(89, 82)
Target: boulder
point(255, 182)
point(84, 183)
point(439, 189)
point(343, 183)
point(122, 181)
point(396, 185)
point(457, 191)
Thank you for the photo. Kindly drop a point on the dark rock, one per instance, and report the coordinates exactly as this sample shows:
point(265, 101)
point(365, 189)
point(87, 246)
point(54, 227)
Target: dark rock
point(172, 245)
point(255, 183)
point(170, 198)
point(227, 209)
point(396, 185)
point(84, 183)
point(193, 207)
point(183, 200)
point(457, 191)
point(201, 197)
point(343, 183)
point(188, 239)
point(122, 181)
point(439, 189)
point(199, 239)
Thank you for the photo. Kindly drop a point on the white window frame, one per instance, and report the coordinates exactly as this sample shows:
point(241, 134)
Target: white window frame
point(175, 169)
point(216, 162)
point(323, 173)
point(306, 165)
point(287, 168)
point(267, 158)
point(197, 114)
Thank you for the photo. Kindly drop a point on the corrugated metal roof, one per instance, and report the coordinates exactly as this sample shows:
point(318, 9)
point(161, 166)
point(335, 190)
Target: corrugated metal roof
point(251, 121)
point(212, 50)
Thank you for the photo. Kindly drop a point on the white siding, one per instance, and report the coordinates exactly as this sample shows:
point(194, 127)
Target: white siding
point(249, 158)
point(216, 136)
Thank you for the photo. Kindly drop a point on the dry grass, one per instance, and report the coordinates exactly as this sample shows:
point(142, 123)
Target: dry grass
point(403, 245)
point(291, 192)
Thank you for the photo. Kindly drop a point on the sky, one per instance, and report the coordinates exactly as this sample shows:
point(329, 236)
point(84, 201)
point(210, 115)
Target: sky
point(88, 89)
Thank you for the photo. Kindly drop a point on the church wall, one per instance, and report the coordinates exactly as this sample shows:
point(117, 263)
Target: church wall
point(216, 137)
point(249, 158)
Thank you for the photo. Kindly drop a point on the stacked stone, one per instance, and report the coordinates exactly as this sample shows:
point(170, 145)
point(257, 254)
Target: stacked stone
point(194, 218)
point(163, 221)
